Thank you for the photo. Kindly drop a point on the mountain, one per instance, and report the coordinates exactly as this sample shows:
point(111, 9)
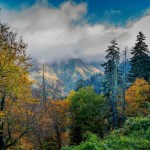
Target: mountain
point(61, 77)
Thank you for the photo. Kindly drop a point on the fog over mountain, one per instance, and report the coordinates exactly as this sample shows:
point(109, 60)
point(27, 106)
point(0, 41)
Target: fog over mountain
point(62, 77)
point(63, 32)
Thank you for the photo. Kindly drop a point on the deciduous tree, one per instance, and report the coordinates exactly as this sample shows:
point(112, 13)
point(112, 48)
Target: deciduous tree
point(89, 113)
point(14, 82)
point(137, 98)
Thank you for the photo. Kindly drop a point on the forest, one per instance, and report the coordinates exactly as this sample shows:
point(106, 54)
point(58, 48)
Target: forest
point(116, 119)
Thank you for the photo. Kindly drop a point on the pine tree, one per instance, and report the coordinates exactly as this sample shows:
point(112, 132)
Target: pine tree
point(140, 61)
point(80, 84)
point(112, 78)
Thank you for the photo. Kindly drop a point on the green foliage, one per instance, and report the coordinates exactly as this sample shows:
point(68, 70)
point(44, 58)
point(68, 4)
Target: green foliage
point(92, 143)
point(126, 143)
point(135, 135)
point(89, 112)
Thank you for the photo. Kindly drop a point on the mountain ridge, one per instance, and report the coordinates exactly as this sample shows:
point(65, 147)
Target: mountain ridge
point(61, 77)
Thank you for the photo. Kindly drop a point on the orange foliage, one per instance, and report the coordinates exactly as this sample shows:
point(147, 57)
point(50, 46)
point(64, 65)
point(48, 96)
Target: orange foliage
point(52, 128)
point(59, 114)
point(18, 121)
point(137, 97)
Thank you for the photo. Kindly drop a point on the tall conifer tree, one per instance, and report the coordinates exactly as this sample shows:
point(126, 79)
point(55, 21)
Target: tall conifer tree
point(140, 61)
point(112, 78)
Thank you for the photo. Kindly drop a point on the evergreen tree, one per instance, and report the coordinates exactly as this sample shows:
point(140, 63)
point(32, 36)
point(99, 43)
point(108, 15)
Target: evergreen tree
point(80, 84)
point(112, 78)
point(140, 61)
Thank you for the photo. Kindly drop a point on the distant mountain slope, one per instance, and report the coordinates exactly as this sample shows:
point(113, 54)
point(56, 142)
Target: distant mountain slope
point(61, 77)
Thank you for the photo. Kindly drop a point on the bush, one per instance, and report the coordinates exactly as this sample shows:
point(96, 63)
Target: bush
point(92, 143)
point(135, 135)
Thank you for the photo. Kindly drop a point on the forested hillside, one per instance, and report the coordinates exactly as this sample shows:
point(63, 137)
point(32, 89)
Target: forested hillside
point(61, 77)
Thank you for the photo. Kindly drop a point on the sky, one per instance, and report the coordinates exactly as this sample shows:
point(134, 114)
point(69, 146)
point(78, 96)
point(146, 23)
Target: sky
point(61, 29)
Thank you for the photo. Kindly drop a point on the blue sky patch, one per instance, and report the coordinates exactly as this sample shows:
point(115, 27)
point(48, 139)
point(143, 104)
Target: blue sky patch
point(116, 12)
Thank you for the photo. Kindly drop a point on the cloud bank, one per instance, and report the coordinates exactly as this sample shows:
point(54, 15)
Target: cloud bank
point(54, 34)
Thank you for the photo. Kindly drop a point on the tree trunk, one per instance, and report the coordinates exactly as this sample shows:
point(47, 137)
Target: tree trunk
point(58, 137)
point(101, 134)
point(114, 115)
point(2, 143)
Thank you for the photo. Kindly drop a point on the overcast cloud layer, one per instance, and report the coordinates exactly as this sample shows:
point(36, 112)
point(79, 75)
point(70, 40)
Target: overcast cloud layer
point(58, 33)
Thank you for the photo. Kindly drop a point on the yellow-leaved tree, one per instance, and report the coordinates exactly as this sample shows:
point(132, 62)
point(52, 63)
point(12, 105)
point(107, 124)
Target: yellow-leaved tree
point(15, 92)
point(137, 98)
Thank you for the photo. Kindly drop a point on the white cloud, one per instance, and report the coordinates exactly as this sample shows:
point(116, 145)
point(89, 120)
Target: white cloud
point(58, 33)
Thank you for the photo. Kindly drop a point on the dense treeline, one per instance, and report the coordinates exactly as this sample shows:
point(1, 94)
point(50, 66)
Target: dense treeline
point(116, 119)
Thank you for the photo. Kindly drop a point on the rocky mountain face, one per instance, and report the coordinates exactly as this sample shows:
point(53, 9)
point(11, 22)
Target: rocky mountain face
point(60, 78)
